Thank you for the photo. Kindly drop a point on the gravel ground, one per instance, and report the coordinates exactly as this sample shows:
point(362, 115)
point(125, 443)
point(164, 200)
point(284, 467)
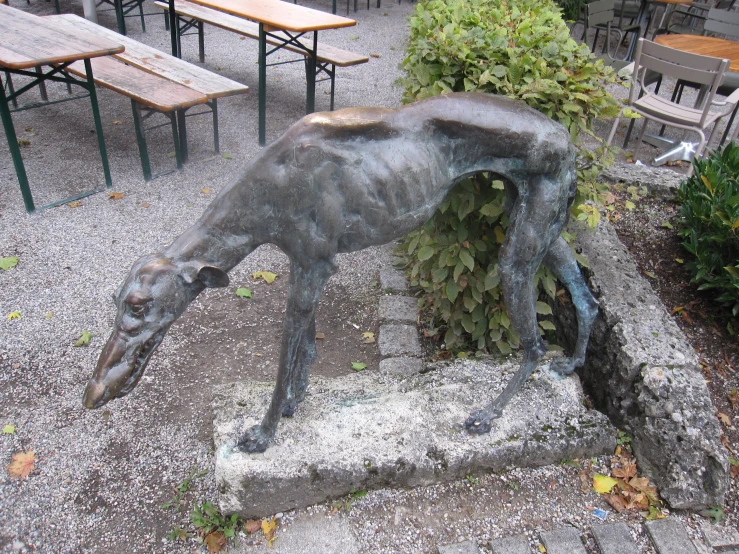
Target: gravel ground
point(102, 476)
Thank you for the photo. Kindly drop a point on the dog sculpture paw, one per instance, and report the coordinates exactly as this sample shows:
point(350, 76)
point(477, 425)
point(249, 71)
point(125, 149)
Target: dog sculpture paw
point(254, 440)
point(481, 421)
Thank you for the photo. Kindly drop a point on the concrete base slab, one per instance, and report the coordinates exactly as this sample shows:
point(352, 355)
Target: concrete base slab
point(369, 430)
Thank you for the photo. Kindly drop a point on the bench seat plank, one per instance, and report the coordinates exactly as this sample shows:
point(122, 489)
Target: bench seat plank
point(239, 25)
point(155, 61)
point(147, 89)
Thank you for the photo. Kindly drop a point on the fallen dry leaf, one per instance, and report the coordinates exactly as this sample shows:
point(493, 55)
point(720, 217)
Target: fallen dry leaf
point(733, 396)
point(626, 472)
point(252, 526)
point(617, 502)
point(320, 336)
point(268, 530)
point(22, 464)
point(205, 190)
point(115, 195)
point(145, 205)
point(603, 484)
point(268, 276)
point(369, 338)
point(726, 420)
point(75, 204)
point(215, 541)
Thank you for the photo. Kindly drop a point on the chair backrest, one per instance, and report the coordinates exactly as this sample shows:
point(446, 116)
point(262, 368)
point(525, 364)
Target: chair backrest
point(599, 13)
point(692, 68)
point(721, 22)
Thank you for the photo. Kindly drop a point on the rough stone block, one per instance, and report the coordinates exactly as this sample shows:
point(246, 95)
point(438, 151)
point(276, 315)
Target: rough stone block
point(466, 547)
point(670, 537)
point(517, 544)
point(393, 280)
point(401, 366)
point(659, 183)
point(641, 371)
point(563, 541)
point(398, 340)
point(721, 538)
point(400, 309)
point(614, 538)
point(368, 430)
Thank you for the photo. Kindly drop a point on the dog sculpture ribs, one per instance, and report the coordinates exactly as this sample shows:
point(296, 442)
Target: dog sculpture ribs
point(343, 181)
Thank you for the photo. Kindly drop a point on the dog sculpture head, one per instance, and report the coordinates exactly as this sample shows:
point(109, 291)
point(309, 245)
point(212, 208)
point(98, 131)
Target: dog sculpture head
point(155, 293)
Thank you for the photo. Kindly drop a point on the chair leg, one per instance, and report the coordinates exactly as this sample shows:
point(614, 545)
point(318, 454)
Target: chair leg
point(641, 136)
point(613, 130)
point(728, 126)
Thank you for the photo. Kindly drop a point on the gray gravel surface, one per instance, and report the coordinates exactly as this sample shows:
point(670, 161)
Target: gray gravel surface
point(102, 476)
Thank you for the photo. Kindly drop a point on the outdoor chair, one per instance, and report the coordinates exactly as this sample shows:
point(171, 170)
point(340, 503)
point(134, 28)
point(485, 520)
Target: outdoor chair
point(600, 15)
point(704, 70)
point(688, 18)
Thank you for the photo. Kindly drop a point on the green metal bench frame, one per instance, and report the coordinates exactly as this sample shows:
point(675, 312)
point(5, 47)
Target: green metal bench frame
point(38, 77)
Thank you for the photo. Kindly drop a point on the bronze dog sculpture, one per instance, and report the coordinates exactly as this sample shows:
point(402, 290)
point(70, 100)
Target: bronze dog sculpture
point(343, 181)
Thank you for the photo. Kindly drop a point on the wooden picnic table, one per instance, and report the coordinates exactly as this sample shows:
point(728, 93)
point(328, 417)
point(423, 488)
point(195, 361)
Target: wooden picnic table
point(284, 23)
point(705, 46)
point(34, 47)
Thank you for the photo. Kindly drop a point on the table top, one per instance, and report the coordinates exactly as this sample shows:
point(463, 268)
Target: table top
point(27, 40)
point(705, 46)
point(280, 15)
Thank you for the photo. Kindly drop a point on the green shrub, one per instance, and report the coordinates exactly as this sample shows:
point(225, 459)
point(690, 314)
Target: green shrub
point(709, 219)
point(521, 49)
point(571, 8)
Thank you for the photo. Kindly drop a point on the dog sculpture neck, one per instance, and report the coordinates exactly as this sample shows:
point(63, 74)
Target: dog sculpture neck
point(343, 181)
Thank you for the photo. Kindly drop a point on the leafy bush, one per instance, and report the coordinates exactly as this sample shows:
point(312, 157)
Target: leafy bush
point(521, 49)
point(571, 8)
point(709, 219)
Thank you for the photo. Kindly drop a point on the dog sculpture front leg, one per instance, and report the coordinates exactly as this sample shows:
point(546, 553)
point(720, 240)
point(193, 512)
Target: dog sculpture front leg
point(306, 284)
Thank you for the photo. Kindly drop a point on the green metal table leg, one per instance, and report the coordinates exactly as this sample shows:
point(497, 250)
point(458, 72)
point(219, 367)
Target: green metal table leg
point(310, 97)
point(141, 141)
point(216, 140)
point(176, 138)
point(262, 84)
point(42, 85)
point(98, 123)
point(174, 30)
point(15, 151)
point(201, 41)
point(182, 138)
point(118, 5)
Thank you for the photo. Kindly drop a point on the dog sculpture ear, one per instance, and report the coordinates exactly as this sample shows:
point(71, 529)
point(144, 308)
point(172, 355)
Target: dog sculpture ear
point(210, 276)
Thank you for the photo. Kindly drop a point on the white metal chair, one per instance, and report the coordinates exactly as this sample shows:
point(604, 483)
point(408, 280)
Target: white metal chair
point(704, 70)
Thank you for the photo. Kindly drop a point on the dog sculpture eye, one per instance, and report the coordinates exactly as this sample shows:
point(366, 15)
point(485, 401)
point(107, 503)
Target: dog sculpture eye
point(138, 310)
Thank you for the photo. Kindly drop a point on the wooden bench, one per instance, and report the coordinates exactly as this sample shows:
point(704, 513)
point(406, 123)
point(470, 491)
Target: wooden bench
point(190, 15)
point(156, 81)
point(148, 93)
